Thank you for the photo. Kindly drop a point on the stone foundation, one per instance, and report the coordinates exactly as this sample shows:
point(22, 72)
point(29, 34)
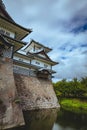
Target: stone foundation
point(10, 112)
point(35, 93)
point(19, 92)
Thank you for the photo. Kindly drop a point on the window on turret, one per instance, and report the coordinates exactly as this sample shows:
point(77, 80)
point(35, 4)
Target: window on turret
point(7, 33)
point(20, 59)
point(2, 31)
point(45, 65)
point(38, 63)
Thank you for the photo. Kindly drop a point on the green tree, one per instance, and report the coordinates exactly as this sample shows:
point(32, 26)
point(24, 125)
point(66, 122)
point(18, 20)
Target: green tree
point(72, 88)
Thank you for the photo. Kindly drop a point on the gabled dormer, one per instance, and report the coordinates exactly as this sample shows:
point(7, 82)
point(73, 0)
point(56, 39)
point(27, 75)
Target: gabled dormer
point(40, 54)
point(34, 46)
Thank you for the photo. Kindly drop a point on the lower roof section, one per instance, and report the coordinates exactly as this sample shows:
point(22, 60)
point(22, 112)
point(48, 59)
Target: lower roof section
point(20, 31)
point(31, 66)
point(4, 41)
point(17, 44)
point(23, 64)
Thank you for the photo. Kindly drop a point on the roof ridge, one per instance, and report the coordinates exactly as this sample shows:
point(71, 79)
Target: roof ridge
point(3, 8)
point(2, 4)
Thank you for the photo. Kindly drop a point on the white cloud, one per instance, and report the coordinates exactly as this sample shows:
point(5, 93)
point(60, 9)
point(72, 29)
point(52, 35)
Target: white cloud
point(54, 23)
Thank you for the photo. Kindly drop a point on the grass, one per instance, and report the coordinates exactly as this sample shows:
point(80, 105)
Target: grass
point(75, 105)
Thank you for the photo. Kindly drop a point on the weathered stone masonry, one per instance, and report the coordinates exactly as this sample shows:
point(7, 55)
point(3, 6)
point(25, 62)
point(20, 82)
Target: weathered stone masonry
point(10, 112)
point(35, 93)
point(32, 93)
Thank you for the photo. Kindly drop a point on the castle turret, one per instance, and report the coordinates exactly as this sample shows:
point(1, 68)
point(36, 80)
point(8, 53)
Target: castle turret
point(34, 57)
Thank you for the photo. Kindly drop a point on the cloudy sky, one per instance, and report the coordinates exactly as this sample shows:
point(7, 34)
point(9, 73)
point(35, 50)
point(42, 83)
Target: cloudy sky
point(59, 24)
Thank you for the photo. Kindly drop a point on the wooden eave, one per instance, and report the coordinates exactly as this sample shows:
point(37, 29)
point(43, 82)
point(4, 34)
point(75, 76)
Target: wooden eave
point(42, 52)
point(23, 56)
point(17, 44)
point(4, 41)
point(44, 73)
point(44, 70)
point(37, 44)
point(19, 31)
point(51, 71)
point(45, 60)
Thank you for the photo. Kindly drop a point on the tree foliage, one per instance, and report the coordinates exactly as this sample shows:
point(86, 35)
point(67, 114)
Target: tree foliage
point(75, 88)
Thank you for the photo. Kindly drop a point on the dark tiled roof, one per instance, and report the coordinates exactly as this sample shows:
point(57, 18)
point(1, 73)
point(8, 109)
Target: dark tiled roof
point(8, 17)
point(40, 44)
point(2, 4)
point(10, 38)
point(3, 9)
point(26, 29)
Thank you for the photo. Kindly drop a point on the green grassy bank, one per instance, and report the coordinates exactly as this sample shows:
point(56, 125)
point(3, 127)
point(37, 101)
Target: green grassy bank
point(75, 105)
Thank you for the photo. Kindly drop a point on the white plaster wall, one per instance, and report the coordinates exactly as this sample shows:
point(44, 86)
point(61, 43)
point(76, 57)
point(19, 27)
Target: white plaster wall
point(33, 62)
point(41, 64)
point(12, 35)
point(30, 49)
point(41, 55)
point(21, 59)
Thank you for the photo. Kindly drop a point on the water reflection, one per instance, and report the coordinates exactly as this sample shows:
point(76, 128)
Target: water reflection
point(70, 121)
point(39, 120)
point(52, 119)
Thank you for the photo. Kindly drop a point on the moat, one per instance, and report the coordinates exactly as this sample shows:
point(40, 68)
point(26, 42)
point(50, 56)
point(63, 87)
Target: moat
point(52, 119)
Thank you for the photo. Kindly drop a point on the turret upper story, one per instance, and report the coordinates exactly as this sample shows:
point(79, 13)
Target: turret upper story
point(35, 47)
point(35, 54)
point(8, 26)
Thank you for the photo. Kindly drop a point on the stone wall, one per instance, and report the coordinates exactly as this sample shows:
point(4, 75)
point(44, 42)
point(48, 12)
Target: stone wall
point(20, 92)
point(23, 71)
point(35, 93)
point(10, 112)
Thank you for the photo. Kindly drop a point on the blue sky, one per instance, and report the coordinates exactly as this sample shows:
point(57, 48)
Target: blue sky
point(59, 24)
